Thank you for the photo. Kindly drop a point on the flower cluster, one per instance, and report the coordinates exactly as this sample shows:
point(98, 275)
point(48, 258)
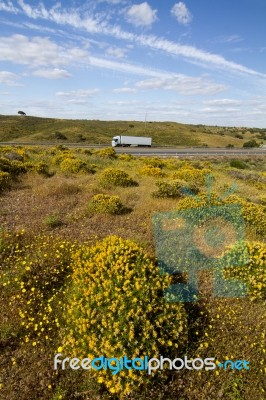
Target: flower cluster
point(36, 274)
point(75, 165)
point(253, 214)
point(194, 175)
point(253, 273)
point(174, 189)
point(116, 307)
point(106, 153)
point(152, 171)
point(105, 204)
point(4, 180)
point(115, 177)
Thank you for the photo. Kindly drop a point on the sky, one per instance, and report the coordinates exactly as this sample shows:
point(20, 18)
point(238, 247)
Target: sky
point(193, 61)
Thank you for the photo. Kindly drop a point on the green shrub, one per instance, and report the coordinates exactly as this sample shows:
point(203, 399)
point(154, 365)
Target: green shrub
point(174, 189)
point(105, 204)
point(75, 165)
point(240, 164)
point(251, 143)
point(115, 308)
point(116, 177)
point(53, 221)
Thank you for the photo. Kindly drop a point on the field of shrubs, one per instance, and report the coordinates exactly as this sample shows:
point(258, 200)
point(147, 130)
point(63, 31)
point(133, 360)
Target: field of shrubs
point(79, 275)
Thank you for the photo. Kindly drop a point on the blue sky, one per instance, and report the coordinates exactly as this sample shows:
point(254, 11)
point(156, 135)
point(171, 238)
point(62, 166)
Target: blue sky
point(197, 61)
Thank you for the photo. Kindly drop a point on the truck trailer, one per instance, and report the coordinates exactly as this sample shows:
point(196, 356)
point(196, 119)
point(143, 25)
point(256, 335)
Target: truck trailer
point(127, 141)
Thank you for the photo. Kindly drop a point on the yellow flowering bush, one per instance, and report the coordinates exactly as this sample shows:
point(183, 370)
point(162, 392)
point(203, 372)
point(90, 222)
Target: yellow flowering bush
point(253, 214)
point(154, 162)
point(40, 167)
point(115, 177)
point(116, 307)
point(36, 274)
point(125, 157)
point(75, 165)
point(13, 167)
point(4, 180)
point(193, 175)
point(254, 272)
point(152, 171)
point(174, 189)
point(105, 204)
point(106, 153)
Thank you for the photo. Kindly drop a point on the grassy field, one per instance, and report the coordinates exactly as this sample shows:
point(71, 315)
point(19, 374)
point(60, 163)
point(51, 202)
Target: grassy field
point(17, 128)
point(57, 204)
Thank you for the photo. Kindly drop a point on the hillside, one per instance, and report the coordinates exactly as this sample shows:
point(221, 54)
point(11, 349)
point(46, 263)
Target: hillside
point(21, 129)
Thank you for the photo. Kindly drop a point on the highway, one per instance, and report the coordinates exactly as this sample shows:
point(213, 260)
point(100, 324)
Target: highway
point(157, 151)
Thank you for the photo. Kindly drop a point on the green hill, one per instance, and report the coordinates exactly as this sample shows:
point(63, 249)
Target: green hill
point(32, 129)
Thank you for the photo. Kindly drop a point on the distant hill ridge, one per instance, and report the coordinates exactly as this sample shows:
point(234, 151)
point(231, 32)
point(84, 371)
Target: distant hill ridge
point(28, 128)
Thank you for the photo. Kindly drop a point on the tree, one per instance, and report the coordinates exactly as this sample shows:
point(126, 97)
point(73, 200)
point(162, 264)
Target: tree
point(251, 143)
point(21, 113)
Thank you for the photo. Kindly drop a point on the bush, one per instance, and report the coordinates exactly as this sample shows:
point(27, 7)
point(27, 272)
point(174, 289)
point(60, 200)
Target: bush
point(53, 221)
point(12, 167)
point(106, 153)
point(125, 157)
point(192, 175)
point(5, 180)
point(34, 272)
point(251, 143)
point(75, 165)
point(240, 164)
point(152, 171)
point(154, 162)
point(254, 272)
point(116, 177)
point(106, 204)
point(253, 214)
point(174, 189)
point(116, 307)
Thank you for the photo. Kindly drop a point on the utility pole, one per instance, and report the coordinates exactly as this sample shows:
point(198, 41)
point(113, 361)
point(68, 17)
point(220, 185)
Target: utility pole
point(145, 122)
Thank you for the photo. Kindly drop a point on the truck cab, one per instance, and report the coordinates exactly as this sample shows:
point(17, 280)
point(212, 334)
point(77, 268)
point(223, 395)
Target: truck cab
point(116, 141)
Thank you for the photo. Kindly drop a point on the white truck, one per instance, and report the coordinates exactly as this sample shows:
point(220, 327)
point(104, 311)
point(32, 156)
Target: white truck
point(126, 141)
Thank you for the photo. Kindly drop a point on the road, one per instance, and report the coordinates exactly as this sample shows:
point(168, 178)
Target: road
point(157, 151)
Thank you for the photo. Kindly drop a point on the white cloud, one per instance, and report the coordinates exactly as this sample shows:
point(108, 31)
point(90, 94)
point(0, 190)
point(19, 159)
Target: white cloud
point(8, 7)
point(8, 78)
point(125, 90)
point(55, 73)
point(141, 15)
point(37, 51)
point(182, 84)
point(181, 12)
point(223, 102)
point(81, 93)
point(116, 52)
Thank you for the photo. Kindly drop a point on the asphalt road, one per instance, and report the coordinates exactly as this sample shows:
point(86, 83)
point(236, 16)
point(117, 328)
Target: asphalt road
point(157, 151)
point(171, 152)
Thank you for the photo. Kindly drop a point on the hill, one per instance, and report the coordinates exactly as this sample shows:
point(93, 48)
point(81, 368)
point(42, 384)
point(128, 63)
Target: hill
point(32, 129)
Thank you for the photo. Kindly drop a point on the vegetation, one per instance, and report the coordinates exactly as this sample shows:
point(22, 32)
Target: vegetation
point(15, 128)
point(79, 275)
